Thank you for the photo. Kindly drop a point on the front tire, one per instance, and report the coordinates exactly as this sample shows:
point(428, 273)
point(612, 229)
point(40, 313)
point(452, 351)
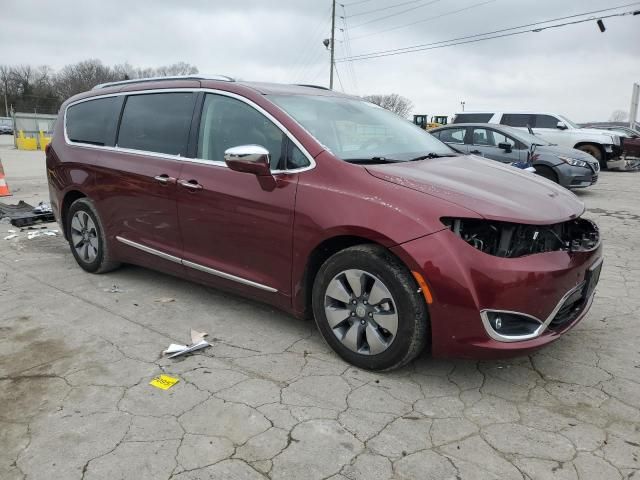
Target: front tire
point(596, 152)
point(546, 172)
point(87, 239)
point(368, 308)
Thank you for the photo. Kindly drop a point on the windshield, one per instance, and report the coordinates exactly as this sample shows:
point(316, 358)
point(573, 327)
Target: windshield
point(526, 137)
point(357, 130)
point(569, 122)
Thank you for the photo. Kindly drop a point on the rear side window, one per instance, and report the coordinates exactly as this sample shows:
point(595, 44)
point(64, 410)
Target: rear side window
point(94, 121)
point(157, 122)
point(517, 120)
point(473, 118)
point(545, 121)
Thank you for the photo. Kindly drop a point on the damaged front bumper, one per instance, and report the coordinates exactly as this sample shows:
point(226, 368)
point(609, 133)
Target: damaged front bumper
point(488, 306)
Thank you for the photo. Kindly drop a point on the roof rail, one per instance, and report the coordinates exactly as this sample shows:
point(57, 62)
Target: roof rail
point(222, 78)
point(311, 86)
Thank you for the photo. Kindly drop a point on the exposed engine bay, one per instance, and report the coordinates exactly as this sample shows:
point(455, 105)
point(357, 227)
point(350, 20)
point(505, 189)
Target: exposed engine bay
point(512, 240)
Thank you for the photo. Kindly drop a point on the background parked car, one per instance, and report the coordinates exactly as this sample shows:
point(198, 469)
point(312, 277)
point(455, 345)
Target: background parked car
point(630, 138)
point(555, 128)
point(6, 130)
point(569, 167)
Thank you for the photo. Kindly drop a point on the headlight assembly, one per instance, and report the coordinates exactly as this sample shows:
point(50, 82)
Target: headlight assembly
point(573, 161)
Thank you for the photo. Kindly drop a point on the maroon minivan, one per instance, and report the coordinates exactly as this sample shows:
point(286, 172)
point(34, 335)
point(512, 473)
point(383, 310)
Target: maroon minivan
point(322, 204)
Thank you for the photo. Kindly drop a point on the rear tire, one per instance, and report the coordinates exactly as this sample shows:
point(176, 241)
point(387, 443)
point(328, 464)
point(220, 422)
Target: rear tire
point(87, 238)
point(546, 172)
point(383, 334)
point(596, 152)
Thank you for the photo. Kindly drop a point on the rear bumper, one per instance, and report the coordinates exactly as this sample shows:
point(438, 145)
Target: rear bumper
point(465, 282)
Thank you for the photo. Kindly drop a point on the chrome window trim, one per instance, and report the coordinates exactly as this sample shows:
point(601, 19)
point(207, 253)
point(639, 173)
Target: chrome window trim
point(543, 325)
point(195, 266)
point(219, 163)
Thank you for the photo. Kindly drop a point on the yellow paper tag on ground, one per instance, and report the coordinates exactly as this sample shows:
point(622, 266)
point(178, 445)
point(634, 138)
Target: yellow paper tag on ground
point(164, 382)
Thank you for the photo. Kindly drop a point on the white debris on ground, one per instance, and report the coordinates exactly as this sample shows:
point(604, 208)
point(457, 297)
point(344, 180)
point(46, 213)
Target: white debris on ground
point(197, 343)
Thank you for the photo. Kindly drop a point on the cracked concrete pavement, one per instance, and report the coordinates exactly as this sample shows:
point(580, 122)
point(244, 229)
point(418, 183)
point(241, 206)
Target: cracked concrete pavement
point(270, 400)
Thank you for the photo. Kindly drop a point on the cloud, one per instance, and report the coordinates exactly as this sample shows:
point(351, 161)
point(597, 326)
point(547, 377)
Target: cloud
point(574, 70)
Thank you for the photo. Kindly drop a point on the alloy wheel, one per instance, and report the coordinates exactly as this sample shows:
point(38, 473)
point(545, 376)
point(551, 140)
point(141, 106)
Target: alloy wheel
point(361, 312)
point(84, 236)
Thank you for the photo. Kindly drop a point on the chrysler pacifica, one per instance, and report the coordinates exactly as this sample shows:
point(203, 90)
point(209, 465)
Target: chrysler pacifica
point(322, 205)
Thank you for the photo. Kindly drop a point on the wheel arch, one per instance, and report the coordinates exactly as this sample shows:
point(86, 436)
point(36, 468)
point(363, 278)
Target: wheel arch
point(68, 199)
point(320, 254)
point(593, 144)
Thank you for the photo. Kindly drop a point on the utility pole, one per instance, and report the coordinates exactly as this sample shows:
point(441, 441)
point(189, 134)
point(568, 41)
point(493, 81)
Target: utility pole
point(333, 36)
point(635, 99)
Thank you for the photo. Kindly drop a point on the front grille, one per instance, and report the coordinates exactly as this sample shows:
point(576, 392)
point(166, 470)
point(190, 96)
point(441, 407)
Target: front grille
point(571, 308)
point(594, 179)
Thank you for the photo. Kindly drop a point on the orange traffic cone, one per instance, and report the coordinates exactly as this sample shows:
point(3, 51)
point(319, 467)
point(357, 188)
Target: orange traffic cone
point(4, 188)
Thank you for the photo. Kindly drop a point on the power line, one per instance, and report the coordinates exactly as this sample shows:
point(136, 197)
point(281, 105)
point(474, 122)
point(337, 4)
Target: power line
point(354, 3)
point(424, 20)
point(339, 79)
point(475, 38)
point(347, 44)
point(394, 14)
point(383, 8)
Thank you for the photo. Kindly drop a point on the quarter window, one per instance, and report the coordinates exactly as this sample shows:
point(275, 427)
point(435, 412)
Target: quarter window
point(227, 122)
point(157, 122)
point(94, 121)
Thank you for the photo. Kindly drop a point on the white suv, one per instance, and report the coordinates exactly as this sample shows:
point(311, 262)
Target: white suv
point(558, 129)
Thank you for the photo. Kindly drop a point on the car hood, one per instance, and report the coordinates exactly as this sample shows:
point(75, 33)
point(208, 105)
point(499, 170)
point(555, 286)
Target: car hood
point(591, 131)
point(492, 190)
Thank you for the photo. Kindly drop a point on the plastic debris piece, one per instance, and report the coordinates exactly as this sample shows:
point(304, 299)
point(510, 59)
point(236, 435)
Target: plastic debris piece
point(197, 336)
point(43, 207)
point(165, 300)
point(174, 347)
point(11, 231)
point(192, 348)
point(41, 233)
point(164, 382)
point(197, 343)
point(9, 237)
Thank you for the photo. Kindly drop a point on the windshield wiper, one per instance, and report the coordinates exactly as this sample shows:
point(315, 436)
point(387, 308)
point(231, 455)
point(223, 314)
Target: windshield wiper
point(432, 155)
point(371, 160)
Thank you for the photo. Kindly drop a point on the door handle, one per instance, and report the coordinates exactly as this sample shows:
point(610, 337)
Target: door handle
point(164, 179)
point(190, 184)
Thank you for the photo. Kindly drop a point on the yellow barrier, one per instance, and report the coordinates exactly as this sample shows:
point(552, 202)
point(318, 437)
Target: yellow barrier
point(43, 140)
point(26, 143)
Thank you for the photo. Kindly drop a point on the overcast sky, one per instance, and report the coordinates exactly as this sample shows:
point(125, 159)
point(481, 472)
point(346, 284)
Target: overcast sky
point(575, 70)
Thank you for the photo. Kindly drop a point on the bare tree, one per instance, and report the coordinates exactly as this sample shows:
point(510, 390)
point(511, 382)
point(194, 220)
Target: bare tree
point(396, 103)
point(619, 116)
point(39, 89)
point(5, 77)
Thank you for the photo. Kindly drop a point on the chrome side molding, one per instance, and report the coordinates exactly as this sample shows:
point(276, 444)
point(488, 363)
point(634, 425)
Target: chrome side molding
point(195, 266)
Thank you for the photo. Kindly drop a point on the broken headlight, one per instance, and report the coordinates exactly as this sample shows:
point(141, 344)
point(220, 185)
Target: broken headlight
point(511, 240)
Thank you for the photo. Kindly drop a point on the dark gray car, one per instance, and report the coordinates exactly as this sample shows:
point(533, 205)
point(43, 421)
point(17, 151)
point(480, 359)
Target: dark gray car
point(569, 167)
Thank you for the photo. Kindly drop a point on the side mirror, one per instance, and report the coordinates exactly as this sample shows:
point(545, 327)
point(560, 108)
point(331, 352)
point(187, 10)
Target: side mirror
point(248, 158)
point(505, 146)
point(561, 126)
